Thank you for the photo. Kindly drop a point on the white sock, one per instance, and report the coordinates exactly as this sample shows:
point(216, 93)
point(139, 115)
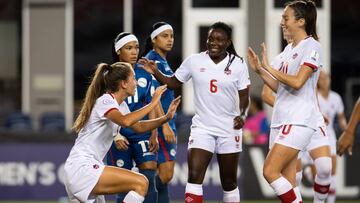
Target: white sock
point(332, 192)
point(298, 194)
point(195, 189)
point(232, 196)
point(298, 178)
point(133, 197)
point(281, 186)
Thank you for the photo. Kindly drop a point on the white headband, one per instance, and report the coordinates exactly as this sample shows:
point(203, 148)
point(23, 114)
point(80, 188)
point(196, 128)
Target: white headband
point(160, 30)
point(124, 40)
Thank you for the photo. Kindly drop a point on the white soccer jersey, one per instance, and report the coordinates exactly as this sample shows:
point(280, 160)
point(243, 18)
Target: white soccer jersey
point(215, 91)
point(331, 106)
point(95, 138)
point(299, 107)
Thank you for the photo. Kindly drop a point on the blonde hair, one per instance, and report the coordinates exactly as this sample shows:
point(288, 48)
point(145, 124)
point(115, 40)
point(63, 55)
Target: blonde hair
point(105, 79)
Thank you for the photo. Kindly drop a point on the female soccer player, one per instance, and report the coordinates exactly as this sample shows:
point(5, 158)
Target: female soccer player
point(158, 44)
point(102, 113)
point(139, 147)
point(220, 79)
point(296, 116)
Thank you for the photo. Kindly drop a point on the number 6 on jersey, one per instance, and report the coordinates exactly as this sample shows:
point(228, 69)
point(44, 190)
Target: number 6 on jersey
point(213, 87)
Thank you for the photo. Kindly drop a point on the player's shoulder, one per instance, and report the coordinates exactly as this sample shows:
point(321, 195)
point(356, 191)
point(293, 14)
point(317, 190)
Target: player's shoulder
point(335, 95)
point(105, 99)
point(311, 42)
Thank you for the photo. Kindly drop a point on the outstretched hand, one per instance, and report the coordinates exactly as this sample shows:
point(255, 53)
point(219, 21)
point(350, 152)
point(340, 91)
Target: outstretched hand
point(345, 143)
point(148, 65)
point(157, 94)
point(172, 108)
point(253, 60)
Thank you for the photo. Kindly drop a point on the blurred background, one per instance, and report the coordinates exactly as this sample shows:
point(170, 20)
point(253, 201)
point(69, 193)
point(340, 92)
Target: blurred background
point(49, 49)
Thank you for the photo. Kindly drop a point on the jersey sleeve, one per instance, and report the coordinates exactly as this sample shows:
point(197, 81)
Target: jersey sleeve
point(104, 105)
point(311, 57)
point(183, 73)
point(243, 78)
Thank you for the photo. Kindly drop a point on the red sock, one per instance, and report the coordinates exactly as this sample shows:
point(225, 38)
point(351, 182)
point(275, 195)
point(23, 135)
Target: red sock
point(288, 197)
point(322, 189)
point(191, 198)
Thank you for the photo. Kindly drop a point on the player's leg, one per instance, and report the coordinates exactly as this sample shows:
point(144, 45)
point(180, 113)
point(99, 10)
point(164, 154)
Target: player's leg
point(319, 150)
point(228, 151)
point(166, 164)
point(228, 165)
point(201, 147)
point(147, 164)
point(122, 159)
point(289, 141)
point(332, 191)
point(115, 180)
point(322, 162)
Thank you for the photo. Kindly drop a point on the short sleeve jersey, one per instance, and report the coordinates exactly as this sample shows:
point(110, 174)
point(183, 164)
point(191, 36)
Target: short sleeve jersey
point(331, 106)
point(141, 98)
point(168, 95)
point(215, 90)
point(299, 107)
point(95, 138)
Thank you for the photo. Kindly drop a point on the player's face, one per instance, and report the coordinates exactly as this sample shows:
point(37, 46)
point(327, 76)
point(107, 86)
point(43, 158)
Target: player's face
point(131, 83)
point(289, 23)
point(164, 41)
point(217, 42)
point(129, 52)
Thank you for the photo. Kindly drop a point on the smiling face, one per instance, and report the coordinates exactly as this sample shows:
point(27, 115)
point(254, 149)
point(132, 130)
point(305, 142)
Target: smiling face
point(164, 41)
point(289, 24)
point(129, 52)
point(217, 43)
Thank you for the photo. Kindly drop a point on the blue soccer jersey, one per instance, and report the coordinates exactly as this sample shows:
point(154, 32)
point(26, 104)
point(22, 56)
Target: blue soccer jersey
point(138, 143)
point(167, 151)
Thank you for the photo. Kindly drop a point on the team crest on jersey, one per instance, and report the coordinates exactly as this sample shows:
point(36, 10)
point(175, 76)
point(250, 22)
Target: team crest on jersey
point(227, 72)
point(108, 101)
point(142, 82)
point(120, 163)
point(202, 70)
point(172, 152)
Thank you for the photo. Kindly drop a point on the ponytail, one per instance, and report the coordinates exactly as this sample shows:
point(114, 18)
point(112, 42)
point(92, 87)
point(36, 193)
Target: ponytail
point(95, 90)
point(105, 79)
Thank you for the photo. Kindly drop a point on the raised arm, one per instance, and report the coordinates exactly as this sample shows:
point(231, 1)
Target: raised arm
point(255, 64)
point(146, 125)
point(133, 117)
point(150, 66)
point(294, 81)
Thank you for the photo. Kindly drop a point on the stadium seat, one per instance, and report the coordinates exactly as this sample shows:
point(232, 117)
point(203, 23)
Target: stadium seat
point(54, 121)
point(18, 121)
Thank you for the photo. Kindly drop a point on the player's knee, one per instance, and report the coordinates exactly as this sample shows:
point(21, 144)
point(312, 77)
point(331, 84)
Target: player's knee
point(323, 167)
point(141, 185)
point(268, 173)
point(166, 177)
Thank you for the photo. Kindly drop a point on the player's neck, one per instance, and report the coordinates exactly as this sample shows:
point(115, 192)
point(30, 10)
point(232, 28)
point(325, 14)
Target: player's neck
point(162, 53)
point(120, 96)
point(324, 93)
point(299, 37)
